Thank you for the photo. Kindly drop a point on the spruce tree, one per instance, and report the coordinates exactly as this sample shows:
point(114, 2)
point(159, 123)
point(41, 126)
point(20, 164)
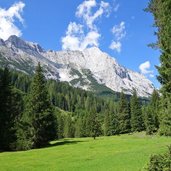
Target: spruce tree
point(68, 127)
point(149, 120)
point(107, 124)
point(93, 124)
point(114, 124)
point(79, 127)
point(151, 113)
point(115, 127)
point(39, 116)
point(165, 125)
point(155, 107)
point(123, 115)
point(60, 130)
point(10, 110)
point(160, 162)
point(137, 123)
point(160, 10)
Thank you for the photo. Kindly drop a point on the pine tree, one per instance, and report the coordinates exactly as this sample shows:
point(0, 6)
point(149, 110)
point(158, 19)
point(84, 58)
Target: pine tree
point(137, 123)
point(123, 115)
point(39, 116)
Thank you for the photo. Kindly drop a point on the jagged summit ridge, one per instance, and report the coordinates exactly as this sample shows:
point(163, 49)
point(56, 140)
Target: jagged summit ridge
point(79, 68)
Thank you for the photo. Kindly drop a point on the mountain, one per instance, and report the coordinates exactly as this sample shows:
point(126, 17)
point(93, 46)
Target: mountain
point(90, 69)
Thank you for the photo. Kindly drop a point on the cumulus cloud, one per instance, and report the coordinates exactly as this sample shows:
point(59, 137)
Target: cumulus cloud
point(8, 17)
point(85, 34)
point(116, 46)
point(145, 69)
point(119, 32)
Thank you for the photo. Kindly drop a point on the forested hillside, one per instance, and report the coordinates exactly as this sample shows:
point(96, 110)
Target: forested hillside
point(71, 112)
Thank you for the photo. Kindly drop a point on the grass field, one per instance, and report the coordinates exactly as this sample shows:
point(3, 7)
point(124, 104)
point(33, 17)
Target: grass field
point(117, 153)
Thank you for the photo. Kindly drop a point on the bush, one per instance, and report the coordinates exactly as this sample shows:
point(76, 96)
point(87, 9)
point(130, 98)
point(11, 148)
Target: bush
point(160, 162)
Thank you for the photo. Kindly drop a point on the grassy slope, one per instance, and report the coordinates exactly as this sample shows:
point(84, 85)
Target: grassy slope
point(117, 153)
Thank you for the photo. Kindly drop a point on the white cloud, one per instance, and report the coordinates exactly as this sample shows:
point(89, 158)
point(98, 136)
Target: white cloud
point(145, 69)
point(119, 32)
point(80, 36)
point(116, 46)
point(85, 9)
point(91, 39)
point(75, 38)
point(8, 18)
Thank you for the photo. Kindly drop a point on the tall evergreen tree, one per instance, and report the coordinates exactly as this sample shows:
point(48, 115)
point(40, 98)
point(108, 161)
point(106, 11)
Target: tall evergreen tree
point(60, 130)
point(68, 127)
point(107, 124)
point(10, 109)
point(155, 107)
point(79, 127)
point(161, 12)
point(149, 120)
point(94, 125)
point(114, 125)
point(123, 115)
point(39, 115)
point(137, 123)
point(151, 114)
point(165, 125)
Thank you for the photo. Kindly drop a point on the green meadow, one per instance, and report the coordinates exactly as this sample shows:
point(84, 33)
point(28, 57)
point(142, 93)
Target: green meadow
point(115, 153)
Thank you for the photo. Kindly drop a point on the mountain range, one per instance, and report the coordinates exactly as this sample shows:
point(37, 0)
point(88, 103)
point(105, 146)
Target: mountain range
point(90, 69)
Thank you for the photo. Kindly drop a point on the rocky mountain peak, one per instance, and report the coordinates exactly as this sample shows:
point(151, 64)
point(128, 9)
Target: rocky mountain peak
point(88, 69)
point(2, 43)
point(16, 42)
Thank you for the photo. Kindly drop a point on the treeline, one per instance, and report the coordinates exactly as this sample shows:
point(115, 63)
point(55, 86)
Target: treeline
point(34, 111)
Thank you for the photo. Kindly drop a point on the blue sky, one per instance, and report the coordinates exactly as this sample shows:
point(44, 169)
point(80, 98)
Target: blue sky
point(118, 27)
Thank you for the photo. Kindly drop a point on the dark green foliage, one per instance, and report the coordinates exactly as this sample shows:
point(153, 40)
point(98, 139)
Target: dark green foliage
point(11, 106)
point(160, 162)
point(68, 127)
point(160, 10)
point(123, 115)
point(79, 129)
point(149, 121)
point(94, 125)
point(165, 125)
point(39, 116)
point(151, 114)
point(114, 125)
point(137, 123)
point(60, 124)
point(107, 124)
point(155, 107)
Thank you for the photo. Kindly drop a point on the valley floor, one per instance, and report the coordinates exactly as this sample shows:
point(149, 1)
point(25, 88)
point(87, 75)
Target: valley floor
point(115, 153)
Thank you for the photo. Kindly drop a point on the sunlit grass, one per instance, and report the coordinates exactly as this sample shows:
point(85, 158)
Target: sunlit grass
point(116, 153)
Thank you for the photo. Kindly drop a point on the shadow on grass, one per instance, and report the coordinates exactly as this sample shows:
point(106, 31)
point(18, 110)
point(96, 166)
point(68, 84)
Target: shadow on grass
point(64, 142)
